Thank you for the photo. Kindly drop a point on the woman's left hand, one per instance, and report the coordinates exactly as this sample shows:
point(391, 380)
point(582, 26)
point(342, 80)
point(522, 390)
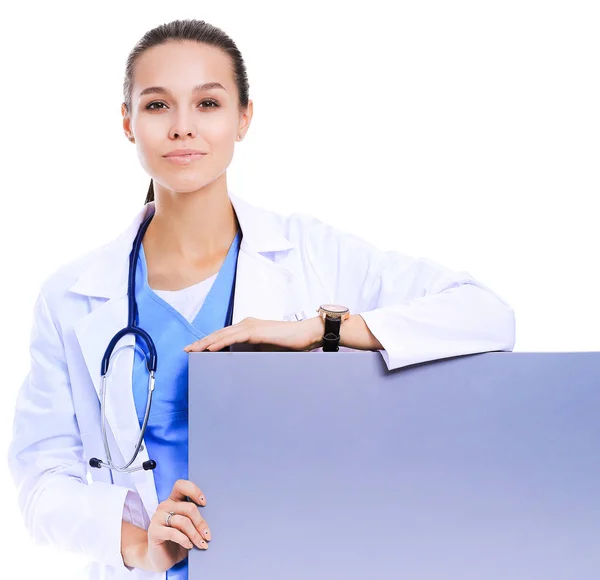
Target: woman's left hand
point(298, 335)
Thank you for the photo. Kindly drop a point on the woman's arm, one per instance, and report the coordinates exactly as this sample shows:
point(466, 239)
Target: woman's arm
point(417, 310)
point(46, 458)
point(354, 333)
point(134, 546)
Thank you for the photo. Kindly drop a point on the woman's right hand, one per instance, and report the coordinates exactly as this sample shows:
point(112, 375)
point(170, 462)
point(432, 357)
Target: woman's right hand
point(168, 545)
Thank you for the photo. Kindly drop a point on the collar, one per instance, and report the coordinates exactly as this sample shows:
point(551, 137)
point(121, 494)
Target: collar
point(107, 272)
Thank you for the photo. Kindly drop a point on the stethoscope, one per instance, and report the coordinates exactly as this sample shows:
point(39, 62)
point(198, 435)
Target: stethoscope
point(151, 360)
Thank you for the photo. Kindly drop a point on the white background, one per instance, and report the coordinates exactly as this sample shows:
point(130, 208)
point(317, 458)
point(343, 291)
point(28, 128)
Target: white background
point(464, 131)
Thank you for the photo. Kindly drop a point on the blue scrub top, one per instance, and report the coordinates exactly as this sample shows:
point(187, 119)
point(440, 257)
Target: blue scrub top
point(166, 437)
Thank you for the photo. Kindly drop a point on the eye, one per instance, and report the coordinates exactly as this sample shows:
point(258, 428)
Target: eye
point(149, 106)
point(211, 105)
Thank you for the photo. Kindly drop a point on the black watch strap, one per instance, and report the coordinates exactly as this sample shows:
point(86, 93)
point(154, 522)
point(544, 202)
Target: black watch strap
point(331, 338)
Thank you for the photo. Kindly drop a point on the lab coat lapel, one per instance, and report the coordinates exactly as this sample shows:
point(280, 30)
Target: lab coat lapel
point(94, 332)
point(108, 278)
point(264, 289)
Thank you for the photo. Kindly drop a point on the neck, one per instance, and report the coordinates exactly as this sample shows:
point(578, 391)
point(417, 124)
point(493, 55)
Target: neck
point(191, 227)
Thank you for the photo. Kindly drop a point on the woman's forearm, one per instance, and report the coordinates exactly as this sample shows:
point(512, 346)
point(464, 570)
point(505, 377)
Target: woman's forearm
point(354, 333)
point(134, 546)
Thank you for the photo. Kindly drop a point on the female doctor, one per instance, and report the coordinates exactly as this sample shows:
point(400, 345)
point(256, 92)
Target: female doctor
point(211, 271)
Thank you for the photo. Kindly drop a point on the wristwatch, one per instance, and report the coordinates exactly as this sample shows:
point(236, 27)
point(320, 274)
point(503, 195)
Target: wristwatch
point(334, 315)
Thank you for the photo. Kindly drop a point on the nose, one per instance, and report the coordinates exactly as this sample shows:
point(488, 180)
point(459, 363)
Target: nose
point(176, 134)
point(182, 126)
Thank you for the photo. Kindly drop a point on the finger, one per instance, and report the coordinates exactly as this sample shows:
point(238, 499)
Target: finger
point(221, 344)
point(197, 346)
point(203, 343)
point(183, 488)
point(185, 525)
point(164, 533)
point(222, 333)
point(243, 334)
point(186, 509)
point(191, 511)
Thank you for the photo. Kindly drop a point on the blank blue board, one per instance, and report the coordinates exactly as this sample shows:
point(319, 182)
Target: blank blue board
point(329, 466)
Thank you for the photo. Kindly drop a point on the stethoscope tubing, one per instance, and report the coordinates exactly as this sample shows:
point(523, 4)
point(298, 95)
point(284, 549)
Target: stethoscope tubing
point(151, 361)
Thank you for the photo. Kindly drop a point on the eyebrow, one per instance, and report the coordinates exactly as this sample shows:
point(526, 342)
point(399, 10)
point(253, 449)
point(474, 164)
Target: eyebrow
point(196, 89)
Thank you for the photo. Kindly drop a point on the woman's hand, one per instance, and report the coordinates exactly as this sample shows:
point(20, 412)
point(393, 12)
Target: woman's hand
point(168, 545)
point(301, 335)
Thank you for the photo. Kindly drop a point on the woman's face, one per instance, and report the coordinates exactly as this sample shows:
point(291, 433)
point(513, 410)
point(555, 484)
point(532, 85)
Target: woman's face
point(179, 117)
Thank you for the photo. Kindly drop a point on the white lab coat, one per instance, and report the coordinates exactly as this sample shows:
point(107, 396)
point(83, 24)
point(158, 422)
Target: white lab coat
point(417, 309)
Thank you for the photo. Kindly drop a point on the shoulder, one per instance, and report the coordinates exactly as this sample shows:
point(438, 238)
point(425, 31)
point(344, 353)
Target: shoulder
point(314, 233)
point(335, 252)
point(94, 271)
point(55, 287)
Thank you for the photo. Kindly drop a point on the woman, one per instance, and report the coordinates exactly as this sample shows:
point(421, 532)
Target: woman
point(212, 272)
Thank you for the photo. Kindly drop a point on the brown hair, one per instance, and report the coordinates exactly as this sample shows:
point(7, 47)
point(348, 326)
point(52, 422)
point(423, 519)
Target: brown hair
point(181, 30)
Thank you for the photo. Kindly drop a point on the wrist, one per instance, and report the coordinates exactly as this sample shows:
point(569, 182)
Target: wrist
point(355, 334)
point(347, 330)
point(134, 546)
point(317, 326)
point(333, 316)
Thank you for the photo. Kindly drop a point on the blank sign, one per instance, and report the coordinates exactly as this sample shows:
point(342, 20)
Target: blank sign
point(329, 466)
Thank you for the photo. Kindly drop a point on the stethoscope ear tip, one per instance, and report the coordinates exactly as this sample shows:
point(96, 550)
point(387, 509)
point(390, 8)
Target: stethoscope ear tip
point(147, 465)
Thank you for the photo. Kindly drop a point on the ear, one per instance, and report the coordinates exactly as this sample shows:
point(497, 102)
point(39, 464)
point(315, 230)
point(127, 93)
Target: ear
point(245, 120)
point(127, 123)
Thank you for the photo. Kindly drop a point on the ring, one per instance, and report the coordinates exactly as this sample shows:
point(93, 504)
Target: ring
point(168, 519)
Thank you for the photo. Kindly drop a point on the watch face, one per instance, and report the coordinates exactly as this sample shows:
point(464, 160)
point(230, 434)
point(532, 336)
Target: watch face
point(334, 308)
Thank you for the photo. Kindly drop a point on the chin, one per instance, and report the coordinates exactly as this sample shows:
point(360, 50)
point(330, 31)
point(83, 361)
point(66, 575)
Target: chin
point(187, 184)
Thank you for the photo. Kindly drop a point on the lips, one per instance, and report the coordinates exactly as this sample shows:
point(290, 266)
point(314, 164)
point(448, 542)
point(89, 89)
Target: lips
point(185, 158)
point(183, 152)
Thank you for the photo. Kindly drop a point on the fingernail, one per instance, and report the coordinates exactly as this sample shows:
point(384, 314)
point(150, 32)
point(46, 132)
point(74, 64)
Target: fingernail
point(207, 533)
point(190, 546)
point(202, 498)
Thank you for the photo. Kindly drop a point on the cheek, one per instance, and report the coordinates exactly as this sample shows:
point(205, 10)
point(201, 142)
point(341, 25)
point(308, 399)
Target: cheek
point(147, 138)
point(219, 135)
point(220, 138)
point(147, 149)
